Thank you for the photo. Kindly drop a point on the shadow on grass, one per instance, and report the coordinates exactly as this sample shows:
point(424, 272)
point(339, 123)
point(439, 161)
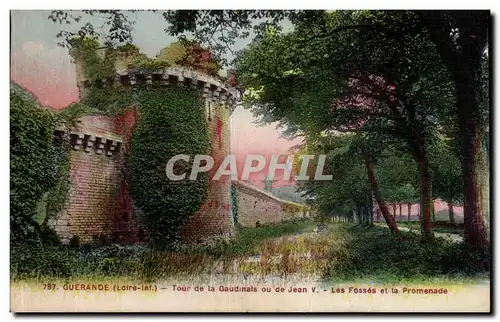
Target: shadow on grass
point(376, 255)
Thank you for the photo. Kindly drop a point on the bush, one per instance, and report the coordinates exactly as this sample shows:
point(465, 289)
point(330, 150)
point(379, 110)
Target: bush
point(74, 242)
point(30, 260)
point(378, 254)
point(48, 236)
point(36, 163)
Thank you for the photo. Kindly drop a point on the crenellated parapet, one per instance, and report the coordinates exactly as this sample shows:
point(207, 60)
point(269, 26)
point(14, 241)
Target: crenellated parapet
point(89, 137)
point(95, 144)
point(212, 89)
point(100, 201)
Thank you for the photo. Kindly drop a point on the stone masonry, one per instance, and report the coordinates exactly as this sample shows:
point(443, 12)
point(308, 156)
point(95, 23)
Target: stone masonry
point(99, 204)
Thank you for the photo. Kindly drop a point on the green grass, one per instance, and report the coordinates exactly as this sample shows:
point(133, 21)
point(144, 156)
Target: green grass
point(248, 239)
point(375, 255)
point(343, 254)
point(31, 261)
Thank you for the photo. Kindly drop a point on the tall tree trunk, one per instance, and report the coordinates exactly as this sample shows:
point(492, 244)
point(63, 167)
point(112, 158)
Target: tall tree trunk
point(465, 66)
point(394, 210)
point(425, 194)
point(450, 211)
point(370, 217)
point(473, 170)
point(391, 223)
point(409, 212)
point(400, 211)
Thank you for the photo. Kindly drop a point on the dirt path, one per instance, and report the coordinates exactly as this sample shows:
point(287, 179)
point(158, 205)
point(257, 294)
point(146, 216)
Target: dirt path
point(455, 237)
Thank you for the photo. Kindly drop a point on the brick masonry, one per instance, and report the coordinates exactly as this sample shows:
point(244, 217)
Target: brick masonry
point(214, 219)
point(100, 205)
point(95, 173)
point(257, 205)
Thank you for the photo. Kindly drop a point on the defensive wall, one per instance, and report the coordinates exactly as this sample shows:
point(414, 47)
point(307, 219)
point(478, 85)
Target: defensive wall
point(100, 205)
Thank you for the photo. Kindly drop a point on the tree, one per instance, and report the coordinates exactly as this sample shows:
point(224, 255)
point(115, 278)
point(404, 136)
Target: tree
point(351, 82)
point(398, 178)
point(448, 180)
point(461, 38)
point(350, 161)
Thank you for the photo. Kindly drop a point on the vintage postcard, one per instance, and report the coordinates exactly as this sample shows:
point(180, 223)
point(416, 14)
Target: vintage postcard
point(250, 161)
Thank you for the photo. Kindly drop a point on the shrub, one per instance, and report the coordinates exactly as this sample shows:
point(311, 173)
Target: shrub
point(36, 163)
point(48, 236)
point(378, 254)
point(74, 242)
point(30, 260)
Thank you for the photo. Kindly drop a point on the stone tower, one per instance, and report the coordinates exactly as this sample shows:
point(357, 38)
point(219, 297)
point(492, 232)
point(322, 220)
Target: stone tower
point(99, 204)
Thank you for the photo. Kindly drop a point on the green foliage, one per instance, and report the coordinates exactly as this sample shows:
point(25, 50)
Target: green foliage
point(74, 242)
point(84, 49)
point(198, 58)
point(110, 101)
point(171, 122)
point(74, 111)
point(398, 178)
point(377, 255)
point(349, 189)
point(173, 53)
point(234, 202)
point(447, 172)
point(247, 238)
point(130, 49)
point(148, 63)
point(29, 260)
point(37, 164)
point(48, 236)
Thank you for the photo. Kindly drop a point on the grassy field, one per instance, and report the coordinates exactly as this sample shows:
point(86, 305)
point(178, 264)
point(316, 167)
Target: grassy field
point(343, 253)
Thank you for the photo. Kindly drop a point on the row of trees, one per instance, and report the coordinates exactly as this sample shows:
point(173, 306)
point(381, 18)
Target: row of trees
point(397, 179)
point(407, 82)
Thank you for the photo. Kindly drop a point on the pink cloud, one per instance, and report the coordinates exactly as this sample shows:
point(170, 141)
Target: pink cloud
point(47, 73)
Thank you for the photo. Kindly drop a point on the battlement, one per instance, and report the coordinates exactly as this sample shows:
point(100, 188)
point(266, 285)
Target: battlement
point(212, 88)
point(100, 201)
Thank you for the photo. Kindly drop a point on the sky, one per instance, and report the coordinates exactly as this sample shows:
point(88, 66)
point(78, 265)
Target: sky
point(45, 69)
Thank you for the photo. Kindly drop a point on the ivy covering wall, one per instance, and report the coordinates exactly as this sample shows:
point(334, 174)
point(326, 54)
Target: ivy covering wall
point(171, 122)
point(234, 201)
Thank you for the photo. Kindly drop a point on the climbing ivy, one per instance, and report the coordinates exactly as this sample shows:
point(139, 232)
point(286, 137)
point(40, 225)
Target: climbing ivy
point(234, 201)
point(39, 165)
point(84, 49)
point(108, 100)
point(171, 122)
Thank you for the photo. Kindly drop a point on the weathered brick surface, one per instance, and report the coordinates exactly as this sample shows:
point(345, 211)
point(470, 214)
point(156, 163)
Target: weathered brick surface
point(100, 203)
point(256, 205)
point(90, 210)
point(214, 219)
